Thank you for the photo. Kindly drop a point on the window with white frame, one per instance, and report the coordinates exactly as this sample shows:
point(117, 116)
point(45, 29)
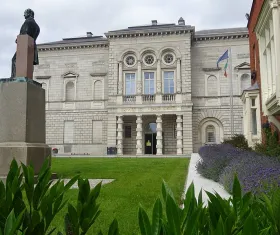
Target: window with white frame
point(130, 85)
point(267, 47)
point(210, 134)
point(70, 91)
point(254, 128)
point(168, 77)
point(149, 83)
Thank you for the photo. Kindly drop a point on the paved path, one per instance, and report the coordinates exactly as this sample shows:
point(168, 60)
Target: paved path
point(201, 182)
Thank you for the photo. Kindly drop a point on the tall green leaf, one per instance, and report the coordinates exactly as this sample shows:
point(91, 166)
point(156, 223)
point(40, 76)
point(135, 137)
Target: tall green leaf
point(144, 223)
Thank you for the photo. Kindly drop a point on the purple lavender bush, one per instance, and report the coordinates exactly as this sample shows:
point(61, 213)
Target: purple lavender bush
point(257, 173)
point(214, 159)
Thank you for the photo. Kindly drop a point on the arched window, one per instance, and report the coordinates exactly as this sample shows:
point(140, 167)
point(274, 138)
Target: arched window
point(97, 93)
point(245, 82)
point(212, 86)
point(70, 91)
point(44, 86)
point(210, 134)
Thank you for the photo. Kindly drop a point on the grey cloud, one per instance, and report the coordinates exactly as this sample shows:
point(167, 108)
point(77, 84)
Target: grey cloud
point(69, 18)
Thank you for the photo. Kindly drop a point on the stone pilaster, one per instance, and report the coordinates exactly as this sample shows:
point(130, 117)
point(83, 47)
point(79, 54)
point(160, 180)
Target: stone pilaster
point(159, 135)
point(179, 128)
point(139, 135)
point(120, 82)
point(139, 79)
point(120, 135)
point(158, 78)
point(178, 77)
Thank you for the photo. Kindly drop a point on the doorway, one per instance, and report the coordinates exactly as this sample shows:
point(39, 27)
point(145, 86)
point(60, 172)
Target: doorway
point(151, 138)
point(150, 143)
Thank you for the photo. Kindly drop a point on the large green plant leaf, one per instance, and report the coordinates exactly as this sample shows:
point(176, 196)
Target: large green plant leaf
point(114, 228)
point(144, 223)
point(157, 217)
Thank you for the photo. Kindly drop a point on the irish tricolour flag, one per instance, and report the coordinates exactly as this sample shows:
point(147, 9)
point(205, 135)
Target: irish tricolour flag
point(224, 57)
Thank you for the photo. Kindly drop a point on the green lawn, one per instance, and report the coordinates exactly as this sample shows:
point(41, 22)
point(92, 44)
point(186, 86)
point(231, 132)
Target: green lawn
point(138, 181)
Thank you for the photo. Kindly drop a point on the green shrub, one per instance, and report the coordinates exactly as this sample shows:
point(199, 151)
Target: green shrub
point(238, 141)
point(239, 215)
point(28, 207)
point(271, 146)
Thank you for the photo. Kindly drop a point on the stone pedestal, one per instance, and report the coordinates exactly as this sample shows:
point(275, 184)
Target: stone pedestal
point(25, 56)
point(22, 125)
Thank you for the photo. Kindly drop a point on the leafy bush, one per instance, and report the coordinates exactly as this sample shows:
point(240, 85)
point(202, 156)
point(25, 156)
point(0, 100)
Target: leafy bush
point(238, 141)
point(242, 215)
point(271, 146)
point(28, 207)
point(257, 173)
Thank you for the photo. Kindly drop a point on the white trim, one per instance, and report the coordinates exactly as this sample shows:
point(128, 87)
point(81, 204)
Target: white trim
point(174, 80)
point(155, 81)
point(124, 83)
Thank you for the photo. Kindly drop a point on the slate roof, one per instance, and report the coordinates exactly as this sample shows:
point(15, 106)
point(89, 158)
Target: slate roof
point(221, 32)
point(76, 40)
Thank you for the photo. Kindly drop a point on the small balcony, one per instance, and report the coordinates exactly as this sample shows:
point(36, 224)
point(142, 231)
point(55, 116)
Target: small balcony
point(148, 98)
point(129, 99)
point(168, 98)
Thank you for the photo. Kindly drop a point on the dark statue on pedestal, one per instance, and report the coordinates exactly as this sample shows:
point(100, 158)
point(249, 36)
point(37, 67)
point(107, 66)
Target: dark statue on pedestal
point(31, 28)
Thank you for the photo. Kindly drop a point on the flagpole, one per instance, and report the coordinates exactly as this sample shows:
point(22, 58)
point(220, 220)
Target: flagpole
point(231, 94)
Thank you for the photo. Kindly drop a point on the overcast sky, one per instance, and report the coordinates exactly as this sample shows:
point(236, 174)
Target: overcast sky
point(69, 18)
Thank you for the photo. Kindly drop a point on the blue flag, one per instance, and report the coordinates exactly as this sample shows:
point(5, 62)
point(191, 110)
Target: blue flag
point(223, 57)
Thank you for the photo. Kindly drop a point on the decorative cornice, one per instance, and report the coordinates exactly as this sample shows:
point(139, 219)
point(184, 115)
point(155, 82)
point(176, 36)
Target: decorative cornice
point(56, 47)
point(117, 35)
point(98, 74)
point(224, 37)
point(42, 77)
point(70, 74)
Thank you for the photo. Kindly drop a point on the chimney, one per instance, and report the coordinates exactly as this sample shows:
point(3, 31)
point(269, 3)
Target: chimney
point(89, 34)
point(154, 22)
point(181, 21)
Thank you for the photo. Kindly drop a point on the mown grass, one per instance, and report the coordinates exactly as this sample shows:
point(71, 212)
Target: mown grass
point(137, 182)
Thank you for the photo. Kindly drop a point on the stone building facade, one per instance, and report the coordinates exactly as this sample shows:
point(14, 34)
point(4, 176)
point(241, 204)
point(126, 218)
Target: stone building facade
point(264, 36)
point(152, 89)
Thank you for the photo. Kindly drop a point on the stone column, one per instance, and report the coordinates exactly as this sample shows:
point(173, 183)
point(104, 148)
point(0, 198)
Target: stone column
point(276, 28)
point(159, 134)
point(120, 135)
point(178, 79)
point(139, 78)
point(120, 82)
point(179, 122)
point(158, 78)
point(139, 135)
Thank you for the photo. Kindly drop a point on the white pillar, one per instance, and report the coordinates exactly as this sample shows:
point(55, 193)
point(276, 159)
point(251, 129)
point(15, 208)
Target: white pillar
point(276, 28)
point(158, 78)
point(120, 135)
point(159, 135)
point(179, 128)
point(139, 135)
point(178, 77)
point(139, 79)
point(120, 82)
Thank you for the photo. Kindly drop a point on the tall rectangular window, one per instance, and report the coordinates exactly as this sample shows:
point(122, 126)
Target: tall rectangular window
point(130, 86)
point(149, 83)
point(68, 137)
point(168, 77)
point(127, 131)
point(254, 122)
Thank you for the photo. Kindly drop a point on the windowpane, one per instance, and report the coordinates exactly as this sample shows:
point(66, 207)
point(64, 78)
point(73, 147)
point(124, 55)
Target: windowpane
point(127, 131)
point(254, 122)
point(168, 82)
point(149, 83)
point(210, 134)
point(130, 84)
